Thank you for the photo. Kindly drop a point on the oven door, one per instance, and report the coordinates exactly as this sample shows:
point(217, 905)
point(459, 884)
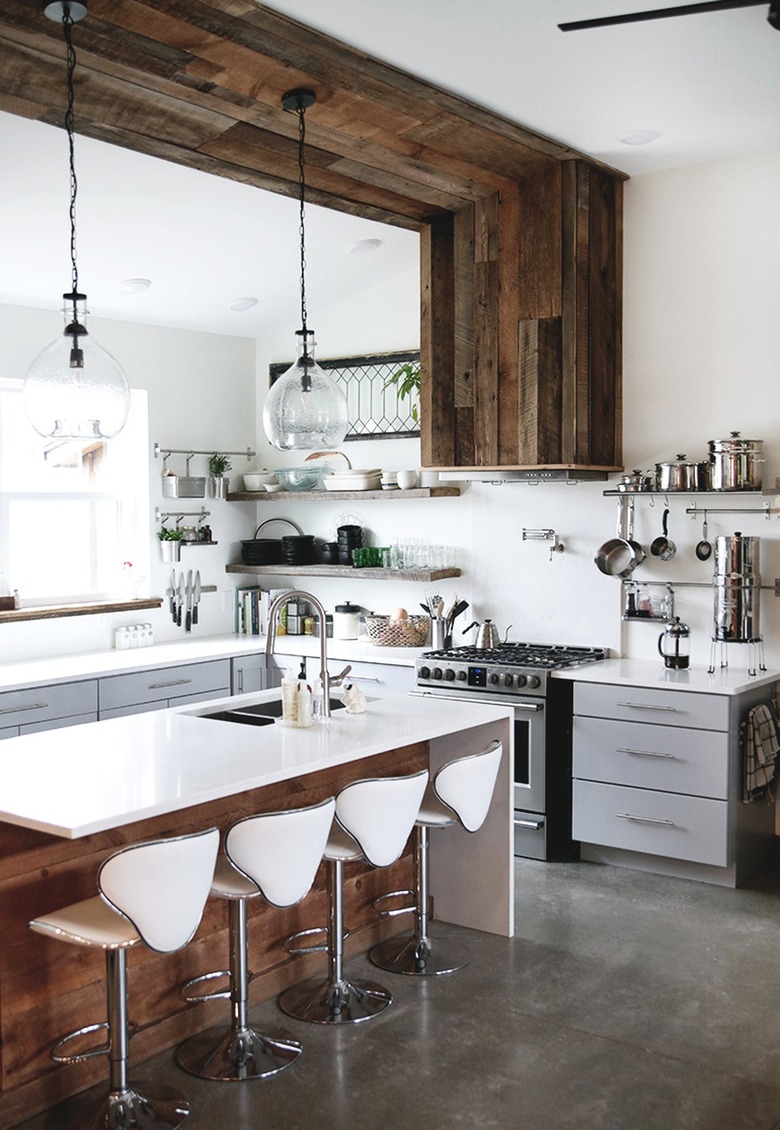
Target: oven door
point(529, 801)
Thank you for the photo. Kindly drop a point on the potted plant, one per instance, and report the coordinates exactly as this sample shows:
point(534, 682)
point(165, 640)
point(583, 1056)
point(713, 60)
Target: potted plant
point(407, 383)
point(218, 482)
point(170, 543)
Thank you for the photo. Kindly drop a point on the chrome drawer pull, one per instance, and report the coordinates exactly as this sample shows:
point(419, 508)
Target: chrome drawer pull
point(365, 679)
point(646, 753)
point(536, 825)
point(171, 683)
point(644, 819)
point(19, 709)
point(644, 706)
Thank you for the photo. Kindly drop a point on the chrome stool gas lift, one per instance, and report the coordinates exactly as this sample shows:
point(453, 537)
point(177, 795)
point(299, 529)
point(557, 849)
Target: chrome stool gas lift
point(461, 792)
point(373, 821)
point(275, 855)
point(153, 892)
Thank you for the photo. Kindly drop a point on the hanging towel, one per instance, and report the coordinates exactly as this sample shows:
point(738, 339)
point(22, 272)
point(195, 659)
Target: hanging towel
point(761, 747)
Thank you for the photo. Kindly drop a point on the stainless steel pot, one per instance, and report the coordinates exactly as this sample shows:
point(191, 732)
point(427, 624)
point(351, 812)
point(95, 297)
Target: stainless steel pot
point(735, 464)
point(636, 481)
point(681, 474)
point(619, 556)
point(737, 589)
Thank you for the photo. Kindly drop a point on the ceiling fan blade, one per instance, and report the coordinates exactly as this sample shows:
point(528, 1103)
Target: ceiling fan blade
point(663, 13)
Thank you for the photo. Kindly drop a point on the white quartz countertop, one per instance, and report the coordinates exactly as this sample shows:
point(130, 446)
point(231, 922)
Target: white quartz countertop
point(646, 673)
point(96, 664)
point(86, 779)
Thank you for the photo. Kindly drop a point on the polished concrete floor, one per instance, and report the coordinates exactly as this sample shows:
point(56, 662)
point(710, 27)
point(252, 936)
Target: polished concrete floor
point(624, 1002)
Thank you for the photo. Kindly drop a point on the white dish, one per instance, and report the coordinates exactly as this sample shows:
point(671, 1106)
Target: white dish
point(357, 482)
point(257, 480)
point(271, 488)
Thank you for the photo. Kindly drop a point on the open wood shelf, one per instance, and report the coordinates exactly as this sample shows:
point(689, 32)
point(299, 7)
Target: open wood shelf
point(449, 491)
point(344, 571)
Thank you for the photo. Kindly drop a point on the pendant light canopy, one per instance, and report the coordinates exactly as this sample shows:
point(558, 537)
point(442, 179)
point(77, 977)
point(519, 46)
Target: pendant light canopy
point(75, 388)
point(305, 409)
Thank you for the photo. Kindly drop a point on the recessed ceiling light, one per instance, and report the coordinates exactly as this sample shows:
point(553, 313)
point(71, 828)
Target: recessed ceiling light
point(239, 304)
point(363, 246)
point(134, 286)
point(640, 136)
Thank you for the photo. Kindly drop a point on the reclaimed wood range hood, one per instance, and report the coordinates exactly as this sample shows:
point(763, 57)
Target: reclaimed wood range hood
point(521, 237)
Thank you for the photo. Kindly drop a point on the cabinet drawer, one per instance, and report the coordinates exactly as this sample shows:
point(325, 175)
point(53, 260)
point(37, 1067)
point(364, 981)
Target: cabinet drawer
point(42, 704)
point(679, 827)
point(58, 723)
point(372, 678)
point(652, 757)
point(164, 683)
point(648, 704)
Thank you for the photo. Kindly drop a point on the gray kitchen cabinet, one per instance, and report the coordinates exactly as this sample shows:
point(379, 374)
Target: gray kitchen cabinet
point(372, 678)
point(254, 672)
point(657, 782)
point(156, 689)
point(47, 707)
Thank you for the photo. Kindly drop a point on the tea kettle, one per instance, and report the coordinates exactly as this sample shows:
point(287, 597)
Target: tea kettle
point(674, 644)
point(487, 634)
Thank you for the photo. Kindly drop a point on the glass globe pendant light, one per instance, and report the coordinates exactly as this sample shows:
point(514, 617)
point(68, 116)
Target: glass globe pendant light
point(305, 409)
point(75, 388)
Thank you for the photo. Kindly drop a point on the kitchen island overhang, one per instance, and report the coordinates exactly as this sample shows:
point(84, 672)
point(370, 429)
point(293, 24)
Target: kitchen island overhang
point(69, 798)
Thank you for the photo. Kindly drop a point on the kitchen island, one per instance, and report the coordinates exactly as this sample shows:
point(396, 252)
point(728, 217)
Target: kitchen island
point(68, 798)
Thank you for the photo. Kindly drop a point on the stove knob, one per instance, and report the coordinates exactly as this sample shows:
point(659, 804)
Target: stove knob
point(494, 678)
point(522, 680)
point(449, 675)
point(462, 676)
point(534, 681)
point(508, 680)
point(425, 672)
point(436, 673)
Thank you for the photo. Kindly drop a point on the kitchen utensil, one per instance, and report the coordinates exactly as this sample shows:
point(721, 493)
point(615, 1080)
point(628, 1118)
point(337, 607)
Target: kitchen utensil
point(196, 598)
point(662, 547)
point(681, 474)
point(735, 464)
point(180, 599)
point(674, 645)
point(188, 618)
point(636, 481)
point(172, 594)
point(487, 634)
point(703, 547)
point(619, 556)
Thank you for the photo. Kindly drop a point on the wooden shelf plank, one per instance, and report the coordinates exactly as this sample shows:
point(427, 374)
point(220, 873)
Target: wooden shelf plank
point(448, 491)
point(344, 571)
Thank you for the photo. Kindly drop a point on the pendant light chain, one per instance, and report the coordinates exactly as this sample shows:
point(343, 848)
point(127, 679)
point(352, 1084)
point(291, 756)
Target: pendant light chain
point(302, 224)
point(67, 22)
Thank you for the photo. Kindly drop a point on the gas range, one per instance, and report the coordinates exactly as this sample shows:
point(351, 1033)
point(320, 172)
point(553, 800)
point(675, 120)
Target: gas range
point(509, 669)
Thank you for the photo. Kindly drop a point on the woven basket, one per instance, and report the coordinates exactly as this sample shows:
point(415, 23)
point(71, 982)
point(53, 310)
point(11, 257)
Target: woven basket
point(384, 632)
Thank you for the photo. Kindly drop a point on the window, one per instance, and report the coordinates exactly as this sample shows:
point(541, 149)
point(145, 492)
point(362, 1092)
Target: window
point(74, 514)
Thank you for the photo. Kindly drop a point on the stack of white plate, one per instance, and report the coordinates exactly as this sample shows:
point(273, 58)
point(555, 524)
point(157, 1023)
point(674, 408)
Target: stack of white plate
point(354, 479)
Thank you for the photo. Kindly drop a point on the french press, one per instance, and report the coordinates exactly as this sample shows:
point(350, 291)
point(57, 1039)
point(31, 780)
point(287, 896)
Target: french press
point(674, 644)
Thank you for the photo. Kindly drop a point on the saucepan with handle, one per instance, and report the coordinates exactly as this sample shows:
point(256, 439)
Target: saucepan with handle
point(619, 556)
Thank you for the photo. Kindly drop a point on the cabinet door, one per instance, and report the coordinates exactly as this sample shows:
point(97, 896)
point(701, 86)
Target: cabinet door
point(678, 827)
point(256, 672)
point(652, 757)
point(9, 732)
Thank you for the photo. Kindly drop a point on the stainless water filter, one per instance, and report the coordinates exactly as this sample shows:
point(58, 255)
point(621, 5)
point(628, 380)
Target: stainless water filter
point(737, 588)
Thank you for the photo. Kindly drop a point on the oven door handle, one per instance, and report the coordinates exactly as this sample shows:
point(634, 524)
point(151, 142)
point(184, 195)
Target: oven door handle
point(531, 707)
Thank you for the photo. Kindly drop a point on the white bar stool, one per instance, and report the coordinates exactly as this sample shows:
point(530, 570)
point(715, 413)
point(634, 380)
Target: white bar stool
point(275, 855)
point(152, 892)
point(460, 792)
point(373, 821)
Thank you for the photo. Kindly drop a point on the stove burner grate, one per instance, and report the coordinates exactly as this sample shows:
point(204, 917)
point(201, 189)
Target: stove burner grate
point(546, 656)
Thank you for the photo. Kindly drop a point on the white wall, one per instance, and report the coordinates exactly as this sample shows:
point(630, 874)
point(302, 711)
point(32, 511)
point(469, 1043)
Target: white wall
point(201, 395)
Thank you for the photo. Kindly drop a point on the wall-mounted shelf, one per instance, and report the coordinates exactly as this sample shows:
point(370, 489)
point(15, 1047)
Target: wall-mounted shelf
point(341, 495)
point(344, 571)
point(690, 493)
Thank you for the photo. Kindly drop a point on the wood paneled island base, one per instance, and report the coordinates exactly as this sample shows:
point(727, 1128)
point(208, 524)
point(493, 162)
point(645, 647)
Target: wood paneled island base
point(49, 988)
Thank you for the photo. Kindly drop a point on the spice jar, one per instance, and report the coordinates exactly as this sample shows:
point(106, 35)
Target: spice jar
point(346, 621)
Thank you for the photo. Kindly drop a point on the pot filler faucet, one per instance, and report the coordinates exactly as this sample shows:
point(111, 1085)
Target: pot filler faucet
point(326, 679)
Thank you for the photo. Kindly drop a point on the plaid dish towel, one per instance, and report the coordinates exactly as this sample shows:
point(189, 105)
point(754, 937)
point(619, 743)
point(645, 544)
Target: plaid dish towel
point(761, 748)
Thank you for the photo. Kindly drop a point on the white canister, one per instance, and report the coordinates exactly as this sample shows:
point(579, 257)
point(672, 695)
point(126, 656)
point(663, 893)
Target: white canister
point(346, 621)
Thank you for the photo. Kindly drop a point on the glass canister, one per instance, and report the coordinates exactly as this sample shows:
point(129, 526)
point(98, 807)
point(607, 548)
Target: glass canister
point(674, 644)
point(346, 621)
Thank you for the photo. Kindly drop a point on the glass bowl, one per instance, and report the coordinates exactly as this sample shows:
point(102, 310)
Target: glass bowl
point(301, 478)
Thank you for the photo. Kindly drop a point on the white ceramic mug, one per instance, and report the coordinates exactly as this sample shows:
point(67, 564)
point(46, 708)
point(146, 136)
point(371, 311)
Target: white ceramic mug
point(407, 480)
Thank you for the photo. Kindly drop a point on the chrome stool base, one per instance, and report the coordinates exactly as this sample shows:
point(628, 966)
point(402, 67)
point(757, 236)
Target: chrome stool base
point(417, 958)
point(157, 1108)
point(325, 1001)
point(230, 1055)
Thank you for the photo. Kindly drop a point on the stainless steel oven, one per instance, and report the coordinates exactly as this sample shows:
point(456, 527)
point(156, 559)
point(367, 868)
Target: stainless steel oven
point(515, 675)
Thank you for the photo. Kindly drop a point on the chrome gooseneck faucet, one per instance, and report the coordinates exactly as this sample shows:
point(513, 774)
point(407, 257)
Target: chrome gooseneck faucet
point(325, 677)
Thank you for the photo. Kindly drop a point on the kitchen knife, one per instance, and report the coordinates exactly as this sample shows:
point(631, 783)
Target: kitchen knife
point(188, 621)
point(172, 593)
point(196, 598)
point(180, 600)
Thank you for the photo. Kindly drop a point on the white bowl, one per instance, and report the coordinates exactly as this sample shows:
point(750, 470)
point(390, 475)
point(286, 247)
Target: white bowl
point(257, 480)
point(271, 488)
point(351, 482)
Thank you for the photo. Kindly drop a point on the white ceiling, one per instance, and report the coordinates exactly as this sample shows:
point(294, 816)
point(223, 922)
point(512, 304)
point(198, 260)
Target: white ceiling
point(708, 84)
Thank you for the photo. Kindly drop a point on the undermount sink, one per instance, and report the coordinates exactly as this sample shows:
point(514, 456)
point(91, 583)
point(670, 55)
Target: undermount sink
point(259, 714)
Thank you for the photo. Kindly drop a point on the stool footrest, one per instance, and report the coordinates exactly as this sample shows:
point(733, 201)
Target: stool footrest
point(185, 990)
point(88, 1053)
point(394, 911)
point(321, 947)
